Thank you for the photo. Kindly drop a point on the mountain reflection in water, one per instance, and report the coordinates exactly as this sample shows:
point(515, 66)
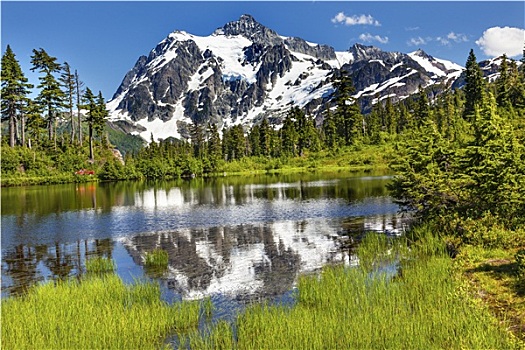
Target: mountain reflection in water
point(234, 238)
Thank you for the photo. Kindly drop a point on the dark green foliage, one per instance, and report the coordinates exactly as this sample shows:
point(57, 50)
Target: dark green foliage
point(347, 114)
point(468, 175)
point(330, 130)
point(126, 143)
point(96, 117)
point(15, 89)
point(289, 136)
point(494, 163)
point(423, 112)
point(234, 143)
point(51, 96)
point(67, 79)
point(474, 86)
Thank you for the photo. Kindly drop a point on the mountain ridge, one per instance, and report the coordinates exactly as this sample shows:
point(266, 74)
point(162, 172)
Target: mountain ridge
point(244, 72)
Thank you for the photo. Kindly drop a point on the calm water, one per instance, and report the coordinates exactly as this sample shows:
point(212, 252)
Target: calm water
point(234, 239)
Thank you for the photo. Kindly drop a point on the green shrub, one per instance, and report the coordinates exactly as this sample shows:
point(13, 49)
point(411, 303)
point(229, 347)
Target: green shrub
point(490, 232)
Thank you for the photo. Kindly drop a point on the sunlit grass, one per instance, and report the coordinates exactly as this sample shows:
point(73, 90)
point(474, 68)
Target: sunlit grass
point(423, 307)
point(99, 265)
point(95, 313)
point(493, 275)
point(157, 258)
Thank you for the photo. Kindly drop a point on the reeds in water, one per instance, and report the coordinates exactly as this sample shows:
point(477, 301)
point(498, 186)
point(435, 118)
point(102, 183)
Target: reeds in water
point(157, 258)
point(98, 312)
point(424, 307)
point(100, 265)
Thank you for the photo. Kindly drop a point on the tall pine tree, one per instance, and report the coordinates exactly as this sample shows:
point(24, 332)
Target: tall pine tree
point(67, 78)
point(347, 113)
point(14, 92)
point(474, 86)
point(51, 96)
point(91, 106)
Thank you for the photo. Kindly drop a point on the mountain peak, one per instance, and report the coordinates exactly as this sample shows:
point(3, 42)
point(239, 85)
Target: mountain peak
point(421, 53)
point(248, 27)
point(363, 52)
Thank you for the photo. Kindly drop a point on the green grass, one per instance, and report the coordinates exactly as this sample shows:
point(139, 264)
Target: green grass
point(424, 307)
point(355, 158)
point(156, 263)
point(95, 313)
point(494, 278)
point(156, 258)
point(100, 265)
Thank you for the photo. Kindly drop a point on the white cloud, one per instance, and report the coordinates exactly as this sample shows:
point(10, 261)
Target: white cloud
point(417, 41)
point(455, 37)
point(496, 41)
point(355, 20)
point(458, 38)
point(369, 38)
point(442, 40)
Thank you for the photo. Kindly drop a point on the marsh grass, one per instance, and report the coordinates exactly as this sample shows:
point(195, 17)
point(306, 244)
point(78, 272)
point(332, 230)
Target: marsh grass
point(424, 307)
point(157, 258)
point(100, 265)
point(98, 312)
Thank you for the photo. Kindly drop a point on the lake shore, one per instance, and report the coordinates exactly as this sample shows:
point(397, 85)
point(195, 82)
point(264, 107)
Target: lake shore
point(427, 301)
point(348, 159)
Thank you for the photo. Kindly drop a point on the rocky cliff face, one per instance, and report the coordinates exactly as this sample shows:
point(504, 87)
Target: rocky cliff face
point(244, 72)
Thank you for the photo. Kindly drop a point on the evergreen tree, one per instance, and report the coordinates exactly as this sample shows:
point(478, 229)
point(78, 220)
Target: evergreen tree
point(493, 161)
point(265, 138)
point(214, 146)
point(503, 84)
point(198, 140)
point(101, 116)
point(67, 78)
point(226, 143)
point(51, 96)
point(425, 179)
point(303, 134)
point(404, 120)
point(91, 106)
point(516, 91)
point(14, 90)
point(474, 86)
point(289, 135)
point(254, 139)
point(233, 143)
point(238, 142)
point(329, 130)
point(374, 124)
point(36, 125)
point(423, 112)
point(390, 116)
point(348, 114)
point(79, 85)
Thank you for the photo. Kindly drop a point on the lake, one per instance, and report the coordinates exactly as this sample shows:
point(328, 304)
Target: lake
point(234, 239)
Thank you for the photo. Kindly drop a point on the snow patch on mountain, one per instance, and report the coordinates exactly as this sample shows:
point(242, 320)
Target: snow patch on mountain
point(259, 77)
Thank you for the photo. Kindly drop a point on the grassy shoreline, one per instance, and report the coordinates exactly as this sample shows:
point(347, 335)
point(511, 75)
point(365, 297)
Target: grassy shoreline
point(349, 159)
point(429, 304)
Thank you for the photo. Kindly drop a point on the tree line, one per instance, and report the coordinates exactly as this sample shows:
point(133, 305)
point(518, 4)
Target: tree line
point(207, 150)
point(60, 94)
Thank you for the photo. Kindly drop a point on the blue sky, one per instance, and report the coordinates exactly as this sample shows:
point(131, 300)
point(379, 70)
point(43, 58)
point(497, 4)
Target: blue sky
point(103, 40)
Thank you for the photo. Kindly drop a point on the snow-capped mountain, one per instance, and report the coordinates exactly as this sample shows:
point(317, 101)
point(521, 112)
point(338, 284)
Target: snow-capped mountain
point(244, 72)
